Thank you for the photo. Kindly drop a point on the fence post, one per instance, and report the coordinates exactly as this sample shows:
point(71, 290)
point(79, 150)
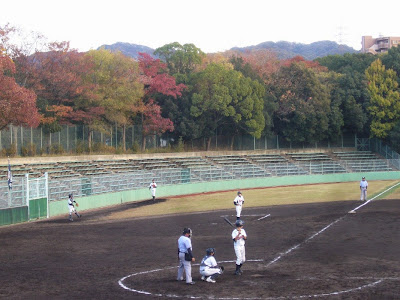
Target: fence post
point(46, 186)
point(27, 192)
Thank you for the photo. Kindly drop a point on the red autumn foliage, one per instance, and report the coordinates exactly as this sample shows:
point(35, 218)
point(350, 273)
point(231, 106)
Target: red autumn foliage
point(17, 104)
point(153, 121)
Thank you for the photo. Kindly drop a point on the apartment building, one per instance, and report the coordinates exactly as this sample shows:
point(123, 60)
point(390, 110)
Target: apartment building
point(378, 45)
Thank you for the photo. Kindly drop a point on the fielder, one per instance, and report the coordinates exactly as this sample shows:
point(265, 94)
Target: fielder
point(153, 188)
point(185, 256)
point(209, 269)
point(363, 189)
point(71, 207)
point(238, 201)
point(239, 236)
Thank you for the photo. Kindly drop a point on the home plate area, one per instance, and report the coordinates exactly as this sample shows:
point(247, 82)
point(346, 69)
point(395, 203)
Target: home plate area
point(300, 251)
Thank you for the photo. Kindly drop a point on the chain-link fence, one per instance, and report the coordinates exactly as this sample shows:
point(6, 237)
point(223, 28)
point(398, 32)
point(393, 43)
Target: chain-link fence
point(74, 139)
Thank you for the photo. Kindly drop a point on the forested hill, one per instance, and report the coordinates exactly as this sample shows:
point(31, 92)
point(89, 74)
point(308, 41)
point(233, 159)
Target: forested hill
point(282, 49)
point(131, 50)
point(311, 51)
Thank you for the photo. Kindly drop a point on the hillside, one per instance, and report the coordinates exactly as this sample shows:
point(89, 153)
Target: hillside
point(311, 51)
point(128, 49)
point(282, 49)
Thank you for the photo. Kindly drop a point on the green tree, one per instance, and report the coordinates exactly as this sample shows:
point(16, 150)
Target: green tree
point(225, 98)
point(384, 104)
point(304, 104)
point(180, 59)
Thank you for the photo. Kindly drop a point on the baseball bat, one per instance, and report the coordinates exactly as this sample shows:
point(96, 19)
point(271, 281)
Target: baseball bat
point(229, 222)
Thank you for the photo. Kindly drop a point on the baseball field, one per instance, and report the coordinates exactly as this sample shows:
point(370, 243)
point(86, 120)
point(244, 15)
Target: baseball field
point(302, 243)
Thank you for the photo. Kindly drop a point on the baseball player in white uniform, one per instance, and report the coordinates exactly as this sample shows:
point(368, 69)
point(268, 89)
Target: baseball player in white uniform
point(363, 189)
point(71, 207)
point(239, 236)
point(153, 188)
point(209, 269)
point(238, 201)
point(185, 256)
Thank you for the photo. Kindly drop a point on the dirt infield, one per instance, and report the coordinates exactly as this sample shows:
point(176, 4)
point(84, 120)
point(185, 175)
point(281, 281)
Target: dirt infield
point(299, 251)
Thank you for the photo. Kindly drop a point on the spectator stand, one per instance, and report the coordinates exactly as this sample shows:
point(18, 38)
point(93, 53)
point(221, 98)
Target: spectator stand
point(316, 163)
point(362, 161)
point(276, 164)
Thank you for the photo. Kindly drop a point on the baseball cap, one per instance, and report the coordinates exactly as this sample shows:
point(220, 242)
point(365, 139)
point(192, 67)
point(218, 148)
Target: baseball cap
point(363, 178)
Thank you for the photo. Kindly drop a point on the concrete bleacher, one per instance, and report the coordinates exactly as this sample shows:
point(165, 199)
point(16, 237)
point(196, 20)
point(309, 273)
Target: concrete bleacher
point(209, 173)
point(154, 163)
point(266, 158)
point(362, 161)
point(355, 155)
point(308, 156)
point(190, 162)
point(228, 159)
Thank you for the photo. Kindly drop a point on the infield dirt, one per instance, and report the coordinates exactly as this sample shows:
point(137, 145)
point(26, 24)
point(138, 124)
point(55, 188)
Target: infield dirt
point(356, 257)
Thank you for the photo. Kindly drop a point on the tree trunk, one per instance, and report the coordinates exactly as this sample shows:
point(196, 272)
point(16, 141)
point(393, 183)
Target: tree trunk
point(208, 144)
point(90, 131)
point(143, 142)
point(232, 141)
point(123, 137)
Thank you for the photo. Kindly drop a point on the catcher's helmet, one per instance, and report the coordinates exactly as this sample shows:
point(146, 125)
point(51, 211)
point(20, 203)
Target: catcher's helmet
point(187, 230)
point(210, 250)
point(239, 223)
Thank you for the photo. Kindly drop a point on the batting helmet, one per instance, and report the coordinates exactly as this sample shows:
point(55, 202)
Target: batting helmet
point(210, 250)
point(187, 230)
point(239, 223)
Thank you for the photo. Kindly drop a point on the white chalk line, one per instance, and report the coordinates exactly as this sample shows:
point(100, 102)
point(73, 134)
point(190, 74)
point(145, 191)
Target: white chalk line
point(266, 216)
point(120, 282)
point(325, 228)
point(272, 262)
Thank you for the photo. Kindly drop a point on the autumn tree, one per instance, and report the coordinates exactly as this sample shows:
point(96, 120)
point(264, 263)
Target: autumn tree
point(118, 87)
point(385, 99)
point(17, 104)
point(157, 84)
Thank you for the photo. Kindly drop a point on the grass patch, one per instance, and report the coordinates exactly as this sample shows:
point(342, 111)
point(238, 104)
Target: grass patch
point(314, 193)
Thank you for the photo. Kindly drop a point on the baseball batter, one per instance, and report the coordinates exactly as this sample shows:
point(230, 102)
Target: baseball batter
point(209, 269)
point(363, 189)
point(239, 236)
point(71, 207)
point(238, 201)
point(153, 188)
point(185, 256)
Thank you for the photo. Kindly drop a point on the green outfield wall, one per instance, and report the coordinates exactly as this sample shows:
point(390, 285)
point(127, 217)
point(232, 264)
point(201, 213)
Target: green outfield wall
point(102, 200)
point(14, 215)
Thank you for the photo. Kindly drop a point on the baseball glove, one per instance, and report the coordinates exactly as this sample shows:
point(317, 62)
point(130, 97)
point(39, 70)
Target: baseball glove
point(76, 204)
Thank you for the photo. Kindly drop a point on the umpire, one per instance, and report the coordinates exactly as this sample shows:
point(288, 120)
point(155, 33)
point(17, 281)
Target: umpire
point(185, 256)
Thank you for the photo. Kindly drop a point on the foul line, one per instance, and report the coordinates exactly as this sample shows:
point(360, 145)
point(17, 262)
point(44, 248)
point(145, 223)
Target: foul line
point(325, 228)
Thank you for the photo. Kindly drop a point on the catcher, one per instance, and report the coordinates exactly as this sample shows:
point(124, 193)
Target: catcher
point(71, 206)
point(209, 269)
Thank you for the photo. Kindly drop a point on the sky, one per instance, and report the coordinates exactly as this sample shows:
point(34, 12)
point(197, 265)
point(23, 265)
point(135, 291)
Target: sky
point(211, 25)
